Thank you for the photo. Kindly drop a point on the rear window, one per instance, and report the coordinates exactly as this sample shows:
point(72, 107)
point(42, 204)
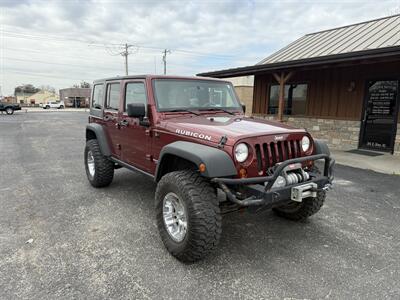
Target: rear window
point(113, 93)
point(97, 96)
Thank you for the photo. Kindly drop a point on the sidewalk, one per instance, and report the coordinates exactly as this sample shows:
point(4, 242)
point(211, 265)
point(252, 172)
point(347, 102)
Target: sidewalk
point(386, 163)
point(39, 109)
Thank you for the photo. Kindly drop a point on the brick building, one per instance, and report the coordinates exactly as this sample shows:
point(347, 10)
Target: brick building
point(75, 97)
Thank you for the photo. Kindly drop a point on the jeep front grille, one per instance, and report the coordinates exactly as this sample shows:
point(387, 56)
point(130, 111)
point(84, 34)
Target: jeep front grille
point(269, 154)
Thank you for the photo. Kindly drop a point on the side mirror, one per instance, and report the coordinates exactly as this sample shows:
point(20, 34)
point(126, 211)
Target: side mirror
point(136, 110)
point(243, 107)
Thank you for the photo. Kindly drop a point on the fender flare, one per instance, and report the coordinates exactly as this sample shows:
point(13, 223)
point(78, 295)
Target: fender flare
point(218, 162)
point(320, 147)
point(101, 137)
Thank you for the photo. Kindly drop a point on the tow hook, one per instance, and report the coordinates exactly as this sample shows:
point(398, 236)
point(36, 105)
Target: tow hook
point(327, 187)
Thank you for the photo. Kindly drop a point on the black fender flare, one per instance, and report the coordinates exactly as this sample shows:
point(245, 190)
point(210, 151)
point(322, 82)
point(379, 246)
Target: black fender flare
point(101, 137)
point(218, 162)
point(320, 147)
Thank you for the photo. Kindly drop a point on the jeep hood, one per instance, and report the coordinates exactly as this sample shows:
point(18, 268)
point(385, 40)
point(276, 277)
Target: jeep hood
point(216, 125)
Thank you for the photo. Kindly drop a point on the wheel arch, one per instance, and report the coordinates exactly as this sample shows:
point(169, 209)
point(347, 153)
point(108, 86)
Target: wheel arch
point(96, 131)
point(218, 163)
point(321, 147)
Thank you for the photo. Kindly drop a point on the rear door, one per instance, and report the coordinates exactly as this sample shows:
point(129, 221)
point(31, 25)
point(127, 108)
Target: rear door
point(111, 117)
point(136, 141)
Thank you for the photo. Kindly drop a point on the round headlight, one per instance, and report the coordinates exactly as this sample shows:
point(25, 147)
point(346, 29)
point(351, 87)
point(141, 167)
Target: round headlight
point(241, 152)
point(305, 143)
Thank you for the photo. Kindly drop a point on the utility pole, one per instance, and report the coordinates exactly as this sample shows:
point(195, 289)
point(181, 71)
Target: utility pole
point(125, 54)
point(165, 59)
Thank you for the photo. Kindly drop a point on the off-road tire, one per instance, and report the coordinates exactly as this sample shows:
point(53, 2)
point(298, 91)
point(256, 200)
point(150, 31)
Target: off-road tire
point(202, 211)
point(299, 211)
point(9, 111)
point(104, 168)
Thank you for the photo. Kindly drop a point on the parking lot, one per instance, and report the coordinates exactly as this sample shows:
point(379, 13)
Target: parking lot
point(61, 238)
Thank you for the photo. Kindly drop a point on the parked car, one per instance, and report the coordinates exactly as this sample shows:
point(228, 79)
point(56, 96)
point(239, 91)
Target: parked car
point(191, 136)
point(9, 108)
point(53, 104)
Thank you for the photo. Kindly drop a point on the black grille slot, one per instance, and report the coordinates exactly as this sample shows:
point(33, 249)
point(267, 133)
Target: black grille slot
point(266, 156)
point(286, 149)
point(273, 154)
point(259, 158)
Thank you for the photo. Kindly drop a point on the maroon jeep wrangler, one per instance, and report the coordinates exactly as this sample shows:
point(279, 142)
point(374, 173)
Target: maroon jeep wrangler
point(191, 136)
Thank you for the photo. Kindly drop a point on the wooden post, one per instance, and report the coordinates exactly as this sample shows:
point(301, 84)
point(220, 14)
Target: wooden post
point(282, 79)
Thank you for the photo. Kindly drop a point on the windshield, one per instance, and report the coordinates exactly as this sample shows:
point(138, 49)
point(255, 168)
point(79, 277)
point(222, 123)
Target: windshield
point(175, 95)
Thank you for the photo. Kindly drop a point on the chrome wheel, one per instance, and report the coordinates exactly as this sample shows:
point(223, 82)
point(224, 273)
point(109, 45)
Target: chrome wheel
point(90, 163)
point(175, 219)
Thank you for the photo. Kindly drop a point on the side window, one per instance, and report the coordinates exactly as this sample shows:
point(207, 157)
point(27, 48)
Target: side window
point(97, 96)
point(135, 93)
point(113, 91)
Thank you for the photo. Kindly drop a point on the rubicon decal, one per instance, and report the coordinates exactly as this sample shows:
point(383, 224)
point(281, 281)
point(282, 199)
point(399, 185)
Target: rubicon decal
point(193, 134)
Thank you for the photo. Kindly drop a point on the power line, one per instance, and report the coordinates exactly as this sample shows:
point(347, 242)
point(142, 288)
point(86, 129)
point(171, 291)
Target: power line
point(102, 45)
point(164, 58)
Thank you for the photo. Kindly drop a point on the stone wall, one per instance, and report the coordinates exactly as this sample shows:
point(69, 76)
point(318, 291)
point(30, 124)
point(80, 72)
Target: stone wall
point(338, 134)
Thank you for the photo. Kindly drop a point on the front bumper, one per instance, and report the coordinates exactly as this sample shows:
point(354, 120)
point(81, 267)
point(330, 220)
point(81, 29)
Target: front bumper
point(258, 190)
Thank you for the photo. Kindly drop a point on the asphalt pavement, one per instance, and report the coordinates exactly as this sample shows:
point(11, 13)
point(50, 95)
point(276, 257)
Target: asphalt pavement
point(60, 238)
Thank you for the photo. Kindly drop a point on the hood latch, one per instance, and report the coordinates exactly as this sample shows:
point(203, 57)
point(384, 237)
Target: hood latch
point(222, 141)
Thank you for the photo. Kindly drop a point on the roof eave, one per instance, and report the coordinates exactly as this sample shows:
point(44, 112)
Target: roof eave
point(309, 62)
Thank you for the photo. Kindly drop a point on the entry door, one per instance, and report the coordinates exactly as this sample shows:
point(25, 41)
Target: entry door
point(379, 124)
point(136, 142)
point(111, 117)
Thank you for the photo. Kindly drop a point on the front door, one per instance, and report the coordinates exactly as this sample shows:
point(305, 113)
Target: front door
point(379, 125)
point(136, 142)
point(111, 117)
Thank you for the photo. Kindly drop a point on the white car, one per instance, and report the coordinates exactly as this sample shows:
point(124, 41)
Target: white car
point(53, 104)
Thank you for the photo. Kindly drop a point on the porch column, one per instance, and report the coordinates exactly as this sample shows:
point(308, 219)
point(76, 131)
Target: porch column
point(282, 79)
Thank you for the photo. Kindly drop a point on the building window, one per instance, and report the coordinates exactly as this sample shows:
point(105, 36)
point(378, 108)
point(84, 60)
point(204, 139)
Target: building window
point(135, 93)
point(295, 99)
point(97, 96)
point(113, 92)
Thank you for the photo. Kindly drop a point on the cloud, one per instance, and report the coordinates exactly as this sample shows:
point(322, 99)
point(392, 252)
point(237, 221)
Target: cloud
point(62, 42)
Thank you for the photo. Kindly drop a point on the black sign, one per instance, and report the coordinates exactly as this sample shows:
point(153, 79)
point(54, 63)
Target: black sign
point(380, 115)
point(382, 98)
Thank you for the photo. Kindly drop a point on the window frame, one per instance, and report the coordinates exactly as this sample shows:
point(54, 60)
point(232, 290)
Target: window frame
point(145, 93)
point(163, 110)
point(108, 88)
point(289, 83)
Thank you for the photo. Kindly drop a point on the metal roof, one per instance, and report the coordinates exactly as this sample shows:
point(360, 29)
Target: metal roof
point(373, 39)
point(375, 34)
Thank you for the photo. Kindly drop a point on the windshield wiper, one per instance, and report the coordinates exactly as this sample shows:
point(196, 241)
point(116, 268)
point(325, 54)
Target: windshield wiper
point(216, 109)
point(182, 109)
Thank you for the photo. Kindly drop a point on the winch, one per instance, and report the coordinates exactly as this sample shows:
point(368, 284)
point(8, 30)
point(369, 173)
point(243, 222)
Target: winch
point(292, 174)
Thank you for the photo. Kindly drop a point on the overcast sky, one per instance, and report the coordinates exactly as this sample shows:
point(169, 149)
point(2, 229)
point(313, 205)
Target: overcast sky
point(59, 43)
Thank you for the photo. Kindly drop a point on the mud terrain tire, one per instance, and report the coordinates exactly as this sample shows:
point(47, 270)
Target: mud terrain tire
point(202, 211)
point(299, 211)
point(103, 168)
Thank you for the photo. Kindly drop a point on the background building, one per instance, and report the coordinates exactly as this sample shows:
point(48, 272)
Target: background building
point(75, 97)
point(244, 89)
point(340, 84)
point(34, 99)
